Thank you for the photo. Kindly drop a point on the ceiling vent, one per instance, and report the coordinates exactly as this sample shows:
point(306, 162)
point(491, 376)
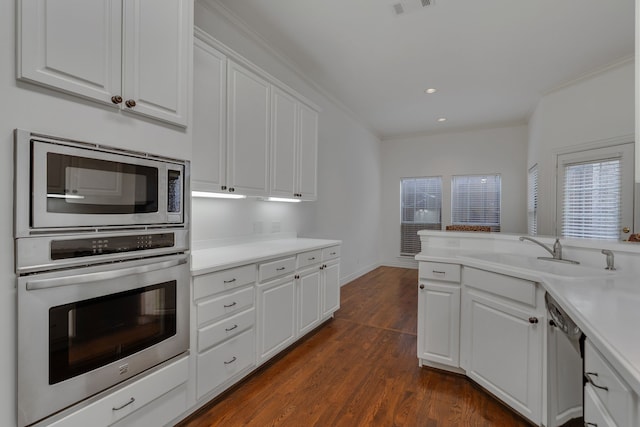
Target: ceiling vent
point(408, 6)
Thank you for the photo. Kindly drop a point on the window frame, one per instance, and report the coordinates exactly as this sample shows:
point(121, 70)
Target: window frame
point(624, 152)
point(494, 227)
point(415, 245)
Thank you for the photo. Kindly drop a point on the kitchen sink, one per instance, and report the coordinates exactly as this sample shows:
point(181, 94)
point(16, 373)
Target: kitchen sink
point(543, 266)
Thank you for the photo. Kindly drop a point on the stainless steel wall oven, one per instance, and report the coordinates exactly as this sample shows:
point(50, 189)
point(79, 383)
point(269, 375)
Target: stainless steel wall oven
point(102, 247)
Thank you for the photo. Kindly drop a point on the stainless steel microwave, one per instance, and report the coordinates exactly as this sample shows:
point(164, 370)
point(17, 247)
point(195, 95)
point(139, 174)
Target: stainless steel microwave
point(63, 185)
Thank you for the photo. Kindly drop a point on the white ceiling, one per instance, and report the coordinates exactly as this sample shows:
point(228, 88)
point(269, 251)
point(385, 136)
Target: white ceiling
point(490, 60)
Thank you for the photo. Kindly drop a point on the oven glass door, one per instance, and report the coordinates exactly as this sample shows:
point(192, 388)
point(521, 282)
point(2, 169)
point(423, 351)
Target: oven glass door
point(88, 334)
point(76, 187)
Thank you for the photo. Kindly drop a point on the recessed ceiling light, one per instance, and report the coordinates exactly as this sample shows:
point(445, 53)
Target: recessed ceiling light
point(430, 90)
point(442, 119)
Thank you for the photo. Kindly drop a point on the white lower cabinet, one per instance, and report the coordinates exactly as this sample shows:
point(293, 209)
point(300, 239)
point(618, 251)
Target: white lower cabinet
point(276, 316)
point(608, 400)
point(439, 315)
point(224, 304)
point(330, 287)
point(223, 362)
point(501, 341)
point(309, 314)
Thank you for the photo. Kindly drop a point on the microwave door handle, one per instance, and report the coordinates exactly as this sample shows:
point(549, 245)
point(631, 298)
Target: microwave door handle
point(34, 285)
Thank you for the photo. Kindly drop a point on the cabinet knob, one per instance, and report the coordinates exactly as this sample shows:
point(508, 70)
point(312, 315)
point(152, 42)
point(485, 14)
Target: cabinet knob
point(116, 99)
point(223, 187)
point(130, 103)
point(296, 277)
point(421, 286)
point(533, 320)
point(231, 190)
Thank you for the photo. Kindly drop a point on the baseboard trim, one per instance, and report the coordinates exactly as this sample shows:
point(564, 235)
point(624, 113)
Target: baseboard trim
point(361, 272)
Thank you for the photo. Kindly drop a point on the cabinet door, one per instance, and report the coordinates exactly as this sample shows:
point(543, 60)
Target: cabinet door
point(208, 167)
point(308, 153)
point(331, 289)
point(72, 45)
point(284, 113)
point(247, 131)
point(504, 352)
point(276, 317)
point(308, 300)
point(439, 323)
point(156, 41)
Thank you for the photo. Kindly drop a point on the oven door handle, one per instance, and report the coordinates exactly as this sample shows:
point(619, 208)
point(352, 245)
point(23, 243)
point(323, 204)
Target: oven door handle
point(39, 284)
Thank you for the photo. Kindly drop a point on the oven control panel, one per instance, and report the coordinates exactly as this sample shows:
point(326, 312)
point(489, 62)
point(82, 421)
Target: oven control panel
point(77, 248)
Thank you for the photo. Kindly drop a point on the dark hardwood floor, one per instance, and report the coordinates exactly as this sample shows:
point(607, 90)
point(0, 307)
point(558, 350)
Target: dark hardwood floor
point(359, 369)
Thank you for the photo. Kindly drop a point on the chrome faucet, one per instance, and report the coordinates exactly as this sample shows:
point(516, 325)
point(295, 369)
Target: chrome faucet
point(609, 254)
point(556, 252)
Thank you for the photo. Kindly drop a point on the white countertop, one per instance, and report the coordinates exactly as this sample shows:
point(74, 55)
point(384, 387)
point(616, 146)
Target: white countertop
point(219, 258)
point(607, 309)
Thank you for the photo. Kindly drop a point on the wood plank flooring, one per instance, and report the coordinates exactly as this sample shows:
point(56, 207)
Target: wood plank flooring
point(359, 369)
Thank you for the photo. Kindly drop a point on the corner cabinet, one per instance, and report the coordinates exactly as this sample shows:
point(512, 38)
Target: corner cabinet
point(108, 51)
point(439, 315)
point(502, 338)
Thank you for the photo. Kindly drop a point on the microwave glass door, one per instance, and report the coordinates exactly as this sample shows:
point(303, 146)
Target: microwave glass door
point(88, 334)
point(83, 185)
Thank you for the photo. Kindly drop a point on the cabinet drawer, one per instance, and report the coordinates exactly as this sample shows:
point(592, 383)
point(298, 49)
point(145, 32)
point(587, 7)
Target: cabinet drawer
point(272, 269)
point(330, 253)
point(213, 283)
point(513, 288)
point(439, 271)
point(309, 258)
point(219, 364)
point(594, 413)
point(618, 398)
point(226, 328)
point(224, 305)
point(134, 396)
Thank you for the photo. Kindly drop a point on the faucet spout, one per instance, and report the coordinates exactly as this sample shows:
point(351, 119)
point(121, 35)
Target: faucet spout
point(553, 252)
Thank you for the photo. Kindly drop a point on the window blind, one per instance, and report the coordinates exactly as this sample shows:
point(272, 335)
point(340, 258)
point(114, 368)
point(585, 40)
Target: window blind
point(475, 200)
point(592, 199)
point(532, 201)
point(421, 203)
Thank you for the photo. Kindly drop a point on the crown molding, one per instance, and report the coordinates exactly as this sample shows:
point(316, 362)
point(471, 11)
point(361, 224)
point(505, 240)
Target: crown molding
point(224, 12)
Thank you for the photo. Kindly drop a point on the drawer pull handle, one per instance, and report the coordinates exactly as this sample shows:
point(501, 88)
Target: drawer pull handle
point(230, 281)
point(231, 361)
point(117, 408)
point(231, 328)
point(590, 424)
point(439, 272)
point(595, 374)
point(311, 259)
point(332, 253)
point(280, 268)
point(230, 305)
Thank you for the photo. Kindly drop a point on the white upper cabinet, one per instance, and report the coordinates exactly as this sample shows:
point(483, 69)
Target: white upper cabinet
point(208, 166)
point(133, 54)
point(284, 115)
point(294, 147)
point(307, 172)
point(248, 128)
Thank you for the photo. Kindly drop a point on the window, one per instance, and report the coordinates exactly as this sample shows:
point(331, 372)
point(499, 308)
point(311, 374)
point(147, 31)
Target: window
point(421, 201)
point(532, 201)
point(475, 200)
point(595, 192)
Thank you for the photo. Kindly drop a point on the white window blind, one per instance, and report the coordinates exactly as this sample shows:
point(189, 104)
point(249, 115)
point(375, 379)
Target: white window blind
point(532, 201)
point(421, 203)
point(475, 200)
point(592, 199)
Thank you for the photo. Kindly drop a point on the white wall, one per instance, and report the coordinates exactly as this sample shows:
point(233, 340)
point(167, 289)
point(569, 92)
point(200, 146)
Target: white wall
point(593, 109)
point(482, 151)
point(29, 107)
point(348, 171)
